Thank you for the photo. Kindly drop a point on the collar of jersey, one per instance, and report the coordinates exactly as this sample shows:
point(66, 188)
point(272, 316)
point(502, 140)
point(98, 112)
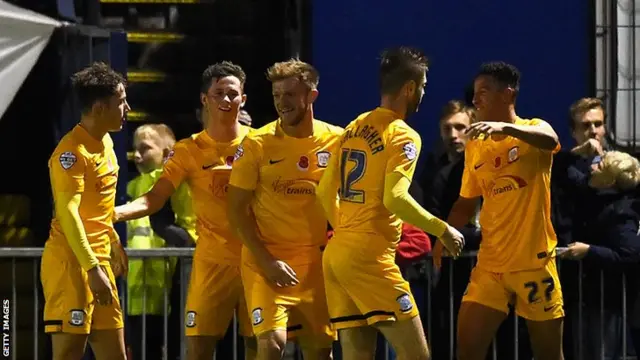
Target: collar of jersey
point(277, 130)
point(83, 135)
point(244, 130)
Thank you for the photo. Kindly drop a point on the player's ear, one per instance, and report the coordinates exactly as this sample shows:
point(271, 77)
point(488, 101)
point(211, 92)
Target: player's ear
point(410, 88)
point(509, 95)
point(98, 108)
point(313, 95)
point(244, 100)
point(203, 99)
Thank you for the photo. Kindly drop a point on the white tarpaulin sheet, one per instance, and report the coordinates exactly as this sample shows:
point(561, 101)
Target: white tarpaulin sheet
point(23, 36)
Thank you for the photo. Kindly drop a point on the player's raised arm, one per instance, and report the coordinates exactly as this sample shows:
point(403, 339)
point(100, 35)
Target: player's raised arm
point(175, 171)
point(538, 133)
point(67, 180)
point(327, 192)
point(404, 149)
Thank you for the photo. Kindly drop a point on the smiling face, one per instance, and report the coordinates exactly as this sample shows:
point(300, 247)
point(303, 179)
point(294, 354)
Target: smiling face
point(224, 99)
point(292, 99)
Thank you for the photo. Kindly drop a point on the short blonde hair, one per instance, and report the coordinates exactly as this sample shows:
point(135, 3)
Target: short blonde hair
point(456, 106)
point(581, 107)
point(622, 167)
point(163, 134)
point(294, 68)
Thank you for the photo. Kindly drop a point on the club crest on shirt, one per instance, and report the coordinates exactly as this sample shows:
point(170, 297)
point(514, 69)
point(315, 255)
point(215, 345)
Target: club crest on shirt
point(513, 155)
point(67, 159)
point(256, 316)
point(303, 163)
point(76, 318)
point(239, 152)
point(323, 158)
point(410, 150)
point(405, 302)
point(190, 321)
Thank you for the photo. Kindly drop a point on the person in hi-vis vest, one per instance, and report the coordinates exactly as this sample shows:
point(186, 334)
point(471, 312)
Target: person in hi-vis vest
point(147, 279)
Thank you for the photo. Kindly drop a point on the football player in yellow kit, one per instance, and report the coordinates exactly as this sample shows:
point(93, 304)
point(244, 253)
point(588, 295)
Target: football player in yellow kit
point(275, 173)
point(371, 173)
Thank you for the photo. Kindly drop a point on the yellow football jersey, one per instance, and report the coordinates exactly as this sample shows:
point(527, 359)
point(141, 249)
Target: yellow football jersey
point(205, 165)
point(375, 144)
point(83, 164)
point(513, 179)
point(284, 172)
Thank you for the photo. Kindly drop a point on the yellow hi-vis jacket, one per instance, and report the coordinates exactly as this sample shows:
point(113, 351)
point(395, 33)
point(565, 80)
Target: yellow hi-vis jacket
point(153, 274)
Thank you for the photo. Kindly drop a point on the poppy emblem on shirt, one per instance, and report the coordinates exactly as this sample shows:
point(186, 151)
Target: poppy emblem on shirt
point(303, 163)
point(497, 162)
point(67, 159)
point(229, 160)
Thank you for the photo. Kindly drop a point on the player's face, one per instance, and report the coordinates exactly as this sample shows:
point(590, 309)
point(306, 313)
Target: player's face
point(112, 112)
point(224, 99)
point(292, 100)
point(490, 99)
point(452, 131)
point(416, 92)
point(590, 126)
point(148, 154)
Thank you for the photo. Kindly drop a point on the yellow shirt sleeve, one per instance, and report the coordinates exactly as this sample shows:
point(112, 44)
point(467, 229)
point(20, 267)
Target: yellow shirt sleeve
point(469, 187)
point(246, 165)
point(403, 148)
point(537, 121)
point(398, 200)
point(67, 170)
point(327, 192)
point(177, 165)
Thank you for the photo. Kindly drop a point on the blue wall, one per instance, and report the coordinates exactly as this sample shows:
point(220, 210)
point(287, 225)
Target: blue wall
point(549, 41)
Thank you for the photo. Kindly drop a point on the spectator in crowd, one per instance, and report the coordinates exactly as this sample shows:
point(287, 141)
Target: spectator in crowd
point(147, 279)
point(454, 120)
point(587, 123)
point(606, 222)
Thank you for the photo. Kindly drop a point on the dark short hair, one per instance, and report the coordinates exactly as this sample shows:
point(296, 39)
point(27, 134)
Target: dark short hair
point(506, 75)
point(400, 65)
point(220, 70)
point(97, 82)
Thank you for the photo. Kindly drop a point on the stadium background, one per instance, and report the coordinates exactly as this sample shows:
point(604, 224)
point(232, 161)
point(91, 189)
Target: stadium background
point(553, 43)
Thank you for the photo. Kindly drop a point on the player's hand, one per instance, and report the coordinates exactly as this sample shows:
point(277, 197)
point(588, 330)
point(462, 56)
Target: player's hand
point(119, 259)
point(575, 251)
point(483, 129)
point(453, 240)
point(591, 147)
point(100, 285)
point(281, 273)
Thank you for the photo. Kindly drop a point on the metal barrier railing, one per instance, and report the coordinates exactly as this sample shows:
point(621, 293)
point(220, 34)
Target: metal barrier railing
point(10, 316)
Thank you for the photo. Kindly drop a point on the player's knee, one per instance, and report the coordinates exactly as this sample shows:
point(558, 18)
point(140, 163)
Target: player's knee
point(201, 347)
point(68, 346)
point(271, 345)
point(250, 347)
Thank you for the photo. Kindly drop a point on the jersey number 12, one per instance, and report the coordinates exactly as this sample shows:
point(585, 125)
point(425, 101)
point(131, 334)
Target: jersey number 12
point(351, 177)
